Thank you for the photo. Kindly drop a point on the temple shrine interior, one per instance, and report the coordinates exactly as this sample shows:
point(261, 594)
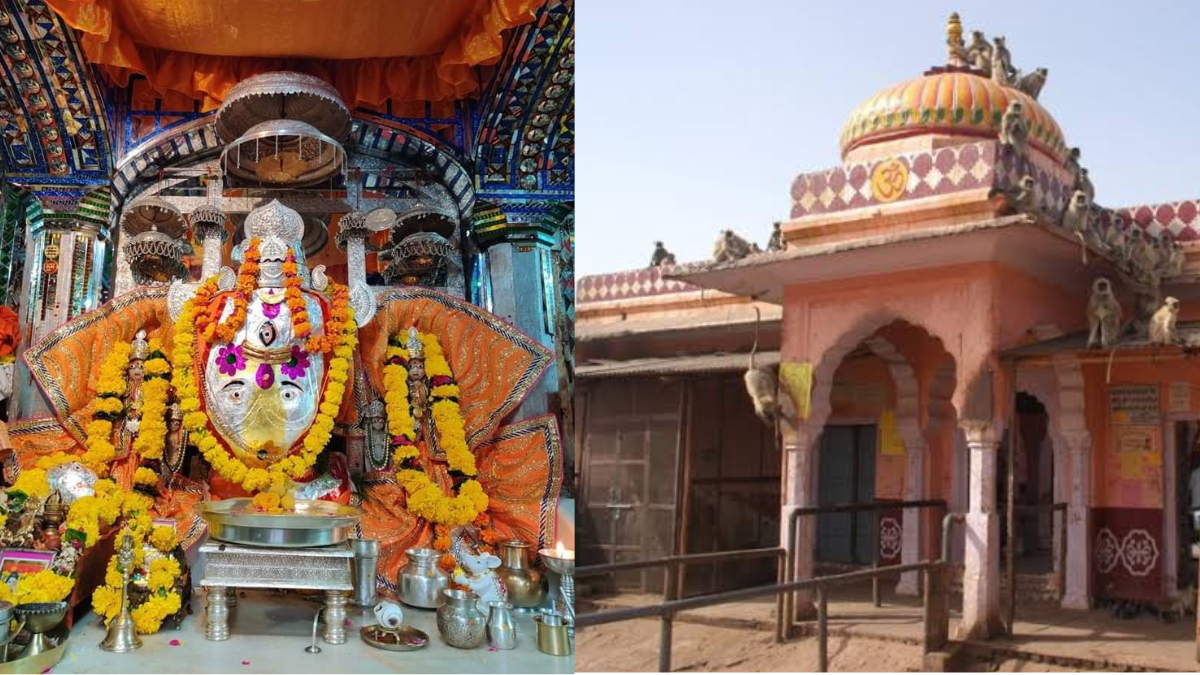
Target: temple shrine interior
point(952, 333)
point(287, 336)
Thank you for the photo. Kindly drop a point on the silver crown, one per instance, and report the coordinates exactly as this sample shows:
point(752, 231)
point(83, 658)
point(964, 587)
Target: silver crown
point(416, 350)
point(275, 221)
point(278, 228)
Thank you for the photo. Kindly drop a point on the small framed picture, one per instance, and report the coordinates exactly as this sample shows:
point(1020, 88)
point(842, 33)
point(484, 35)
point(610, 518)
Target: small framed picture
point(21, 561)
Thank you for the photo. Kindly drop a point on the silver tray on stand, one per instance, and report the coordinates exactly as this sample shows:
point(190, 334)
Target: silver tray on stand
point(312, 523)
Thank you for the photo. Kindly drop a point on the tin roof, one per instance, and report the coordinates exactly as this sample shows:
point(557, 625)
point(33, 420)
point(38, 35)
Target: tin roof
point(1188, 334)
point(674, 365)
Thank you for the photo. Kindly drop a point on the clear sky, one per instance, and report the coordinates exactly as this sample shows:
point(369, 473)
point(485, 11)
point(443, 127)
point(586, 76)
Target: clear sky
point(696, 115)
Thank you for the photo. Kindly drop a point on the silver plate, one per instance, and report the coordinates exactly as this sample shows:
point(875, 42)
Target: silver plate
point(313, 523)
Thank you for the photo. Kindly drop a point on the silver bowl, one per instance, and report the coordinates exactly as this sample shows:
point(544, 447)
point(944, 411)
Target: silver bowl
point(40, 618)
point(312, 523)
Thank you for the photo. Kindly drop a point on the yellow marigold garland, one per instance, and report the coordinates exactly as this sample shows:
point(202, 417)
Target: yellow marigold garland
point(195, 421)
point(161, 573)
point(107, 407)
point(246, 281)
point(32, 482)
point(152, 432)
point(425, 498)
point(44, 586)
point(294, 297)
point(145, 476)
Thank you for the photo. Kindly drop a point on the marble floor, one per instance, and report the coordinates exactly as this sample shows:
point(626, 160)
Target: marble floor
point(269, 632)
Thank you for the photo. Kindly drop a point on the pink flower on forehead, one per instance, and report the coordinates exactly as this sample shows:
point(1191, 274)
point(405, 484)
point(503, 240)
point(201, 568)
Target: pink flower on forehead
point(230, 360)
point(297, 364)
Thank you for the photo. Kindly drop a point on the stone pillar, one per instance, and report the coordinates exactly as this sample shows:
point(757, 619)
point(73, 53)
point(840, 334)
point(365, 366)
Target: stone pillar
point(981, 561)
point(1079, 552)
point(915, 449)
point(801, 450)
point(520, 269)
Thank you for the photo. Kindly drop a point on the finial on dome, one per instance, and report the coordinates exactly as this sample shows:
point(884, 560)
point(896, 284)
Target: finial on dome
point(954, 42)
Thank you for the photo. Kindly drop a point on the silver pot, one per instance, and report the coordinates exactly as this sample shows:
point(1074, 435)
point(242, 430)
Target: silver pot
point(421, 582)
point(6, 616)
point(366, 561)
point(459, 621)
point(501, 628)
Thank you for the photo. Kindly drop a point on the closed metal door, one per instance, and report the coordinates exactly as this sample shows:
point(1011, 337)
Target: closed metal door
point(846, 475)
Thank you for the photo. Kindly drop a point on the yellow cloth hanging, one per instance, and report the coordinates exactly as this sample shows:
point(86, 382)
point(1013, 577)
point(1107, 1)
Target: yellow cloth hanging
point(889, 437)
point(797, 378)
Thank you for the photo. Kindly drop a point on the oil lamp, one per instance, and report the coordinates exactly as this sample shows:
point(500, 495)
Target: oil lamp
point(561, 561)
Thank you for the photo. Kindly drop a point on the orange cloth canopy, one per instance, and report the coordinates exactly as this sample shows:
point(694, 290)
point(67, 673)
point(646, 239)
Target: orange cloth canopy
point(371, 50)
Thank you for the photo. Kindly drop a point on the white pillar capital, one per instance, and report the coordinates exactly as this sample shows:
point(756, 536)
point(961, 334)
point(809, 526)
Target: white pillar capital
point(981, 434)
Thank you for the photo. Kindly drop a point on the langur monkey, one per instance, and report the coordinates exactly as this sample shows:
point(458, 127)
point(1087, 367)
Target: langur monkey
point(771, 402)
point(1162, 324)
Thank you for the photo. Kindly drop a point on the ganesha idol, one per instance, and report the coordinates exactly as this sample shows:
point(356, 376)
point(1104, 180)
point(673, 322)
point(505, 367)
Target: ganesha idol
point(255, 370)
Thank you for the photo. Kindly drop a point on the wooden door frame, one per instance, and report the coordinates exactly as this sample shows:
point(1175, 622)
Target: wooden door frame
point(1171, 499)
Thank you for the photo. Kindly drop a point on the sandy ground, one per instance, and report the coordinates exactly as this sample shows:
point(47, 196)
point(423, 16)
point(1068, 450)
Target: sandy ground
point(632, 646)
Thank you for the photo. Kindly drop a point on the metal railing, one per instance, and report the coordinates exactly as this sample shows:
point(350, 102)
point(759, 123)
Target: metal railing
point(936, 606)
point(798, 512)
point(667, 610)
point(671, 566)
point(935, 599)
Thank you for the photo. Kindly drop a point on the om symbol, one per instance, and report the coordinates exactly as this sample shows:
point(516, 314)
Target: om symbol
point(889, 180)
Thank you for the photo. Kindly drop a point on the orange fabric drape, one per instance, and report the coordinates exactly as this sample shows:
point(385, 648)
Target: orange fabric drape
point(498, 366)
point(372, 51)
point(521, 472)
point(66, 364)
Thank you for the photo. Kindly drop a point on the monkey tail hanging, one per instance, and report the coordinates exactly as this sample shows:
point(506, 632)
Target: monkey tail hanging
point(757, 324)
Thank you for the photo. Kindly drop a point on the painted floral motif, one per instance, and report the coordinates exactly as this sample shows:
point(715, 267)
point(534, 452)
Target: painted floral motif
point(890, 538)
point(265, 376)
point(230, 360)
point(297, 365)
point(1140, 552)
point(1108, 551)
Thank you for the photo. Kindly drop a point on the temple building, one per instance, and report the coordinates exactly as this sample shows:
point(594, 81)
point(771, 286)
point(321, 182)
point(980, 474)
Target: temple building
point(953, 305)
point(286, 258)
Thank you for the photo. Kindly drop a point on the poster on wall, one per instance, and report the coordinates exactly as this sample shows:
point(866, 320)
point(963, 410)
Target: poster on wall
point(1134, 405)
point(1180, 399)
point(1133, 470)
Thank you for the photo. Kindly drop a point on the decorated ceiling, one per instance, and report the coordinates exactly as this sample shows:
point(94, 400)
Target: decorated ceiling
point(85, 81)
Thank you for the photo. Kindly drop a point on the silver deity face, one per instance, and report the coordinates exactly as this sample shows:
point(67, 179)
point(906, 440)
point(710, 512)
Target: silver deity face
point(263, 389)
point(272, 255)
point(270, 274)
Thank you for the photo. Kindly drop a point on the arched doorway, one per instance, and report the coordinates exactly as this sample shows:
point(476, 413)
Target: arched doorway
point(887, 438)
point(1033, 489)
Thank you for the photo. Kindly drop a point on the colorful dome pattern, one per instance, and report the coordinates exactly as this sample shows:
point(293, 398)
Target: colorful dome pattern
point(951, 102)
